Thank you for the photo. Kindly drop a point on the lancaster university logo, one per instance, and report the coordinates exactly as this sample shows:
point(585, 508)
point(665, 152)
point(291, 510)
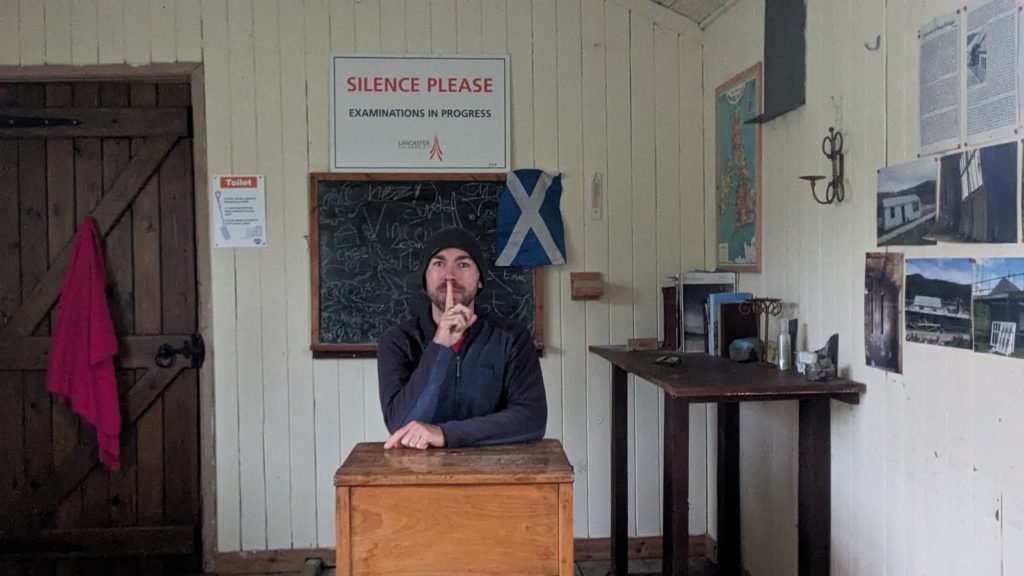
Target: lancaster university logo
point(435, 150)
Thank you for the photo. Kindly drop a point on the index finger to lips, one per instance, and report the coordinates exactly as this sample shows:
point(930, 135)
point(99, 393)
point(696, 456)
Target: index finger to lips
point(448, 299)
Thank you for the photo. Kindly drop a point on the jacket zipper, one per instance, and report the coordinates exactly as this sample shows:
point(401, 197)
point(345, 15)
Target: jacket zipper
point(458, 365)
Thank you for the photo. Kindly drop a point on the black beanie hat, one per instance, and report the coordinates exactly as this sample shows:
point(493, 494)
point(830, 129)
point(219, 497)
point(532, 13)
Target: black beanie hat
point(452, 238)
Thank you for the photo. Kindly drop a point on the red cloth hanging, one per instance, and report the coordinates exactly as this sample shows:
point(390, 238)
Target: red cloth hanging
point(84, 344)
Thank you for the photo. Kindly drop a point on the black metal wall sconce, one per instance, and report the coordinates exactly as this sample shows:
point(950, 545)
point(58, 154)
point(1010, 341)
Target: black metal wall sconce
point(832, 148)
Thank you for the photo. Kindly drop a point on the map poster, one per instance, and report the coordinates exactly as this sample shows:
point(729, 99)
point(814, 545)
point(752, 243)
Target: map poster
point(738, 172)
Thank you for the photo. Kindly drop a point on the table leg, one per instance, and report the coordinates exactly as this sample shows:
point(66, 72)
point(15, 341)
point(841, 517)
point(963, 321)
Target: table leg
point(676, 510)
point(620, 480)
point(730, 556)
point(814, 497)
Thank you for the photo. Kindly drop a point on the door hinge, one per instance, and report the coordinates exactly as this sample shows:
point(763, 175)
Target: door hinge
point(36, 122)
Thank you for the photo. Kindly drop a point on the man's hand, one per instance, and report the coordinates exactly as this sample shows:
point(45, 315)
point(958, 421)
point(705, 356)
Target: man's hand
point(454, 322)
point(416, 435)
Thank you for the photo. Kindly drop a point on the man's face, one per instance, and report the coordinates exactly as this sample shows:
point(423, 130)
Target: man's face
point(455, 265)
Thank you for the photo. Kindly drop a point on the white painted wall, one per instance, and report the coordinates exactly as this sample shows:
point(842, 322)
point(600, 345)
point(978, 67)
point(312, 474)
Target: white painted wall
point(597, 86)
point(927, 471)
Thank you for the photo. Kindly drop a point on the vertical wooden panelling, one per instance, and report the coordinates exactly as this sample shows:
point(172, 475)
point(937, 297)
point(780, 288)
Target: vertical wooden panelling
point(146, 231)
point(321, 40)
point(33, 235)
point(110, 30)
point(468, 30)
point(58, 32)
point(442, 26)
point(85, 35)
point(171, 455)
point(417, 26)
point(88, 183)
point(644, 255)
point(178, 298)
point(666, 161)
point(861, 114)
point(368, 41)
point(219, 145)
point(573, 313)
point(60, 185)
point(147, 435)
point(620, 227)
point(295, 168)
point(545, 148)
point(365, 370)
point(347, 376)
point(342, 24)
point(520, 50)
point(12, 425)
point(32, 15)
point(161, 32)
point(1012, 510)
point(373, 426)
point(328, 438)
point(36, 423)
point(368, 27)
point(495, 27)
point(9, 28)
point(267, 52)
point(595, 241)
point(138, 32)
point(343, 30)
point(251, 408)
point(189, 31)
point(392, 27)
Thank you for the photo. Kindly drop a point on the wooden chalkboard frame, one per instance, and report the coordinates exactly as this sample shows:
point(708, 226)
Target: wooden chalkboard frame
point(321, 349)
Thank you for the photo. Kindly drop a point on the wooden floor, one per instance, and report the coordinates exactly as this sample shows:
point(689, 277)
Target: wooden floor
point(640, 567)
point(644, 567)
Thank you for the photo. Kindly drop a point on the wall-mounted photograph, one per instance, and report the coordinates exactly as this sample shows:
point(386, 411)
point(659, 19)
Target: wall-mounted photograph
point(978, 195)
point(938, 302)
point(905, 211)
point(999, 306)
point(883, 283)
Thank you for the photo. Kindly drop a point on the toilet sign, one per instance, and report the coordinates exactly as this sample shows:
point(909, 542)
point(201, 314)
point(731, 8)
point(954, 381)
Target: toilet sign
point(239, 212)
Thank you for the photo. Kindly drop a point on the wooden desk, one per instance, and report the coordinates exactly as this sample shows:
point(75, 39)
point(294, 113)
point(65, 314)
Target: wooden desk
point(486, 510)
point(699, 378)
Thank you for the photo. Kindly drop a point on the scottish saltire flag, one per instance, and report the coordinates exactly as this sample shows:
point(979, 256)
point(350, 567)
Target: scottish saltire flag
point(530, 229)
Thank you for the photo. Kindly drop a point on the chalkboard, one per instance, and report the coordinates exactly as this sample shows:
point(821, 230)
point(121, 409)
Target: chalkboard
point(366, 231)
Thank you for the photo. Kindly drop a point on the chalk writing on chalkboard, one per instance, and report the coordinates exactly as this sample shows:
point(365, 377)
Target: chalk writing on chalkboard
point(366, 234)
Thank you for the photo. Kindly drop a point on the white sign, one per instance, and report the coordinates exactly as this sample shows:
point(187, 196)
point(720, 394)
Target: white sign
point(239, 211)
point(407, 113)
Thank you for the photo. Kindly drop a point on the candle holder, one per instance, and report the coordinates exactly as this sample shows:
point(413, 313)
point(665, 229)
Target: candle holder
point(832, 148)
point(765, 307)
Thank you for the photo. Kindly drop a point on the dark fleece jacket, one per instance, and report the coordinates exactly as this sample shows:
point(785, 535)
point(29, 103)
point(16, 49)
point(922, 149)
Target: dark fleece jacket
point(492, 392)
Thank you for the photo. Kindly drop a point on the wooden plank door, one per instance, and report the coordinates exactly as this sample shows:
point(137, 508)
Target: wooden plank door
point(122, 154)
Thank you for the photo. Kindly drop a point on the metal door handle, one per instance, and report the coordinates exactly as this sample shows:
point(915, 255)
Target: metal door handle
point(194, 350)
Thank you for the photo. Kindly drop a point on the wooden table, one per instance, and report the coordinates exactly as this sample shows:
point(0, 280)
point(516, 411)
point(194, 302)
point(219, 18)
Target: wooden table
point(699, 378)
point(485, 510)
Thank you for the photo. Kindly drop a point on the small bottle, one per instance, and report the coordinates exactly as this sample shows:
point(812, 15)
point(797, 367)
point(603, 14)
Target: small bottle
point(785, 351)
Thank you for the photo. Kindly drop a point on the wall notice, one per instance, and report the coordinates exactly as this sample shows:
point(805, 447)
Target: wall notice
point(239, 211)
point(990, 69)
point(405, 113)
point(939, 80)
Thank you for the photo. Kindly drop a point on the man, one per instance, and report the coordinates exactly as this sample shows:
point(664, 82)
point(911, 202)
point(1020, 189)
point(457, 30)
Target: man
point(454, 376)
